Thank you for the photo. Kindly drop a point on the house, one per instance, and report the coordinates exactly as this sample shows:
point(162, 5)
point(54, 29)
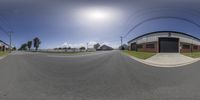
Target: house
point(165, 41)
point(3, 46)
point(105, 47)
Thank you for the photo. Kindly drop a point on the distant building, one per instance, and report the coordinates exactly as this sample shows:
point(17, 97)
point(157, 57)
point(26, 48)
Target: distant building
point(105, 47)
point(3, 46)
point(165, 41)
point(91, 50)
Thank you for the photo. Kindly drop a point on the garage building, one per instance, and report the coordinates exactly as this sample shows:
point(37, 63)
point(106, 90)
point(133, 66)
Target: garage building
point(165, 41)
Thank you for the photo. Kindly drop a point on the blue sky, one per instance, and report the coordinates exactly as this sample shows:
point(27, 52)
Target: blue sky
point(77, 22)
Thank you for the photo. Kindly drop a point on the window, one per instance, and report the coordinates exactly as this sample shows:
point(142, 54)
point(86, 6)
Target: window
point(151, 45)
point(195, 47)
point(140, 46)
point(186, 46)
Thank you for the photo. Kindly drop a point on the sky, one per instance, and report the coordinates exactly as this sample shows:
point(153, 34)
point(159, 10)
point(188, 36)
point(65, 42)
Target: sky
point(60, 23)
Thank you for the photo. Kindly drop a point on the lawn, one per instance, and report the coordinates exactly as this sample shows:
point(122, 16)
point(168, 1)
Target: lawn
point(68, 53)
point(140, 55)
point(75, 53)
point(3, 53)
point(193, 54)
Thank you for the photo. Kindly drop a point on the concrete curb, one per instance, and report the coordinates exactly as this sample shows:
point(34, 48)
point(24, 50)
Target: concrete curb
point(161, 65)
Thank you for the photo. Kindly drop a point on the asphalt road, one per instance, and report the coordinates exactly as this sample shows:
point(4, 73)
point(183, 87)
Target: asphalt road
point(101, 76)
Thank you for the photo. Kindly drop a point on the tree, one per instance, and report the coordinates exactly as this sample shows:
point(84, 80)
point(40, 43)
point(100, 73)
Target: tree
point(29, 44)
point(123, 47)
point(69, 48)
point(64, 48)
point(23, 47)
point(37, 43)
point(14, 48)
point(82, 48)
point(96, 46)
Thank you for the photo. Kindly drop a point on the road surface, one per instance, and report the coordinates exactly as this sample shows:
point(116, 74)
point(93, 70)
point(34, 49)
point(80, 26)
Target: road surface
point(101, 76)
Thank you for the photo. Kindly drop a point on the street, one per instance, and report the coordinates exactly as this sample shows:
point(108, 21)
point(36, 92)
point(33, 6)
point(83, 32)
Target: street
point(103, 76)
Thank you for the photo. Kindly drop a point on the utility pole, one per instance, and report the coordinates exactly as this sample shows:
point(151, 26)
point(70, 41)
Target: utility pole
point(10, 40)
point(121, 40)
point(87, 46)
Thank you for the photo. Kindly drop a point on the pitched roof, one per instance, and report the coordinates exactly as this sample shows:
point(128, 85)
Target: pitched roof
point(108, 47)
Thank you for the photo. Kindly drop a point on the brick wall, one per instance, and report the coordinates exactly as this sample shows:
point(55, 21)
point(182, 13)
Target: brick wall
point(144, 47)
point(191, 48)
point(147, 47)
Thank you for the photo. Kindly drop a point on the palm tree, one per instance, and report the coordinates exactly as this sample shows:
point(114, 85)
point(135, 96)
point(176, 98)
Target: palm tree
point(29, 44)
point(37, 43)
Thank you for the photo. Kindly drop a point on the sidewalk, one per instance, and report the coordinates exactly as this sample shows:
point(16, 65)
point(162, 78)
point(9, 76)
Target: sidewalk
point(167, 60)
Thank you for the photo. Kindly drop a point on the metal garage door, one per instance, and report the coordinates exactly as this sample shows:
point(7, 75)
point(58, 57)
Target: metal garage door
point(168, 44)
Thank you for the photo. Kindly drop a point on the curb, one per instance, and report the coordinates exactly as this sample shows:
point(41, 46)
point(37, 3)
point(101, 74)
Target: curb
point(161, 65)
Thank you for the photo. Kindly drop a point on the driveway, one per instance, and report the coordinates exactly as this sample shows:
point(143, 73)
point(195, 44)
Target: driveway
point(110, 76)
point(170, 60)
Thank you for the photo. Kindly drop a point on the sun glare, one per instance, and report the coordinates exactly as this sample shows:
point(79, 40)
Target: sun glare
point(98, 15)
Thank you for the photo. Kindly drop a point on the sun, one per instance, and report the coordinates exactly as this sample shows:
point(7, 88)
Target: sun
point(98, 15)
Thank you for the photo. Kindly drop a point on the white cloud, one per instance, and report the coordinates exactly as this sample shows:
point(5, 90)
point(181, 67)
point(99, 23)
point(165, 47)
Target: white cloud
point(78, 45)
point(90, 44)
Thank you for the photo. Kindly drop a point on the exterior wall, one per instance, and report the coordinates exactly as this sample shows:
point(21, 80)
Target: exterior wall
point(133, 47)
point(153, 38)
point(3, 47)
point(155, 49)
point(192, 48)
point(195, 49)
point(141, 49)
point(147, 49)
point(185, 49)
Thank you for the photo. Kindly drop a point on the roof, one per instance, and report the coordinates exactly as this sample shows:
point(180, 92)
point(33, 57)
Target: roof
point(164, 32)
point(4, 42)
point(108, 47)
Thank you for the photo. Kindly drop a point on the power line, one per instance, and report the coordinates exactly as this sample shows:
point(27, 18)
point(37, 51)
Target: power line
point(9, 33)
point(3, 30)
